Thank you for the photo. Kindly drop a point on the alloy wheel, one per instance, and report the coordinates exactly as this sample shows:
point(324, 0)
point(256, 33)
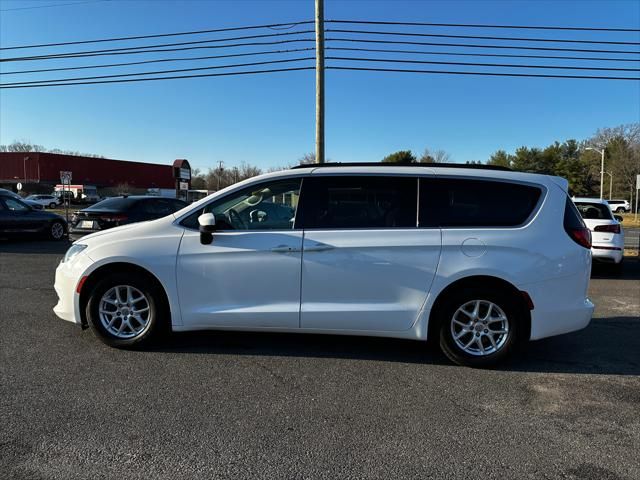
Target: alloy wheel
point(479, 327)
point(124, 312)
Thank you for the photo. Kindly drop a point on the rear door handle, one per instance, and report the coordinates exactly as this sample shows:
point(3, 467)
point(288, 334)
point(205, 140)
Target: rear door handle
point(318, 247)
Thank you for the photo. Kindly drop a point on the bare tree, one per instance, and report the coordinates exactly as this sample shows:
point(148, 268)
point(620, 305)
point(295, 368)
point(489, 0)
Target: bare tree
point(437, 156)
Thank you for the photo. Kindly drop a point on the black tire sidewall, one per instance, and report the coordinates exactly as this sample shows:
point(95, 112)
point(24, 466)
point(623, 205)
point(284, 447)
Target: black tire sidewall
point(156, 309)
point(454, 301)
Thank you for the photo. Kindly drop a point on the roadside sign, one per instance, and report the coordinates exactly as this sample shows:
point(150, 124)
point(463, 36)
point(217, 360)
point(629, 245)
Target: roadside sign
point(19, 186)
point(184, 185)
point(65, 177)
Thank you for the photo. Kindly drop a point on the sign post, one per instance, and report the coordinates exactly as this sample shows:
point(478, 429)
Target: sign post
point(65, 179)
point(637, 191)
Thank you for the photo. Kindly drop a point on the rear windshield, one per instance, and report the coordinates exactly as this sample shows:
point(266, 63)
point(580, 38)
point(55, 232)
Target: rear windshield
point(594, 211)
point(117, 204)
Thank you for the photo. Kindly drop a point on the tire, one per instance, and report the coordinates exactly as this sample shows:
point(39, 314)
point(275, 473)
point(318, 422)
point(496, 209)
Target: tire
point(53, 205)
point(133, 333)
point(620, 210)
point(617, 268)
point(56, 231)
point(503, 305)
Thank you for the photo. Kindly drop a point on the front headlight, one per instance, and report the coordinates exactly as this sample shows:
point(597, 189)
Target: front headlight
point(75, 249)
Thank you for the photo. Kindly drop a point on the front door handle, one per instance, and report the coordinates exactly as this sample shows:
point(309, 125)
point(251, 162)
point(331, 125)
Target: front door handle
point(284, 249)
point(318, 247)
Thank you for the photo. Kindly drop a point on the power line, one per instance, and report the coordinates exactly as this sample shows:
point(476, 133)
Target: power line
point(130, 80)
point(51, 5)
point(466, 45)
point(471, 64)
point(475, 25)
point(492, 74)
point(160, 72)
point(231, 45)
point(159, 35)
point(480, 37)
point(504, 55)
point(125, 64)
point(142, 48)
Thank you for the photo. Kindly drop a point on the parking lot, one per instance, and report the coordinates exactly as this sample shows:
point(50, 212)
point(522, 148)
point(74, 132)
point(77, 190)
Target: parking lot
point(239, 405)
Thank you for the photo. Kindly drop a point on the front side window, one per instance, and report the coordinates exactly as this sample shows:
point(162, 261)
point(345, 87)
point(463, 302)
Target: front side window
point(352, 202)
point(265, 206)
point(463, 202)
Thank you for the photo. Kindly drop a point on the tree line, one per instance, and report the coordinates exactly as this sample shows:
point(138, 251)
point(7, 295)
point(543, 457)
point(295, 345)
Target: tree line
point(570, 159)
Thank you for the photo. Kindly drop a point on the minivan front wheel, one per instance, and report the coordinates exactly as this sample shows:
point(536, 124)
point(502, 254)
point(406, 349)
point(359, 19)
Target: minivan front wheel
point(478, 327)
point(124, 310)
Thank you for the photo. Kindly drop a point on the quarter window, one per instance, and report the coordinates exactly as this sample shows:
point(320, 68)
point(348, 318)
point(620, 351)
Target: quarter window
point(353, 202)
point(461, 202)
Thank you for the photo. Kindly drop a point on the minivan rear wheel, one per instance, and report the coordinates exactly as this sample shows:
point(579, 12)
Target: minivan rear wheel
point(125, 310)
point(479, 327)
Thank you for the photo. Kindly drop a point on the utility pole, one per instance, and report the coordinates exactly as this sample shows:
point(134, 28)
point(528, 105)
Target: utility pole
point(220, 163)
point(319, 81)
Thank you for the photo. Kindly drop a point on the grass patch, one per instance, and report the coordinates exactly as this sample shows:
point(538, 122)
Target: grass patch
point(629, 219)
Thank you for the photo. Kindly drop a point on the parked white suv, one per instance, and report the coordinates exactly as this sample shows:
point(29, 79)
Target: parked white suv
point(619, 206)
point(396, 251)
point(50, 201)
point(606, 231)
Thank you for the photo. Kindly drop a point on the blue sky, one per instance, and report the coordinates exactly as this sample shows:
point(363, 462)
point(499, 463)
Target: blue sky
point(268, 120)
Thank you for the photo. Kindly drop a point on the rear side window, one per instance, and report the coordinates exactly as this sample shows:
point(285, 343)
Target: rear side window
point(461, 202)
point(572, 217)
point(353, 202)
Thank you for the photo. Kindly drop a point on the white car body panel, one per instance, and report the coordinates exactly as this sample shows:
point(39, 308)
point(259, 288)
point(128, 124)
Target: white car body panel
point(379, 283)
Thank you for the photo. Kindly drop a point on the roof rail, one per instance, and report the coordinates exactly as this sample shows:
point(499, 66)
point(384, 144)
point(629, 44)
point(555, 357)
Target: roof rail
point(474, 166)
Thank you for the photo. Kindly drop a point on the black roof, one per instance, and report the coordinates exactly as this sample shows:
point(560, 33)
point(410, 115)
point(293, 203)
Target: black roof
point(474, 166)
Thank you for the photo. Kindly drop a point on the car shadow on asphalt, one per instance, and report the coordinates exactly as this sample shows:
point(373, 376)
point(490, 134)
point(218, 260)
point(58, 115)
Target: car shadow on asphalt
point(34, 245)
point(630, 271)
point(608, 346)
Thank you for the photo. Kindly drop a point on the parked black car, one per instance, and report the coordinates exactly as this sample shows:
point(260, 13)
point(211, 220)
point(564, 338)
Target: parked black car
point(18, 219)
point(116, 211)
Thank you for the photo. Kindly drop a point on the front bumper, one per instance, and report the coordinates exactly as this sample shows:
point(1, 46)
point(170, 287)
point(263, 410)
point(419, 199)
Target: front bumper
point(67, 277)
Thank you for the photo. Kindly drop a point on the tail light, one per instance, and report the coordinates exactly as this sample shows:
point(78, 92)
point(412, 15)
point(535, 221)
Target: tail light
point(582, 236)
point(612, 228)
point(114, 218)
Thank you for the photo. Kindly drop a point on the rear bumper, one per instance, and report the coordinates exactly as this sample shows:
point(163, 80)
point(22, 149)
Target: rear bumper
point(606, 255)
point(561, 306)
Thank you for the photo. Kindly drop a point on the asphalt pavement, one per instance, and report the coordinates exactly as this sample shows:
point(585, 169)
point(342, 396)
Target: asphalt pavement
point(243, 405)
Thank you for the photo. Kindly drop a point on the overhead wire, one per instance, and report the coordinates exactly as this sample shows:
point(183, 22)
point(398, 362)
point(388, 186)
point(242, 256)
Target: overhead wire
point(158, 35)
point(466, 45)
point(472, 64)
point(143, 48)
point(493, 74)
point(160, 72)
point(481, 25)
point(162, 60)
point(130, 80)
point(481, 37)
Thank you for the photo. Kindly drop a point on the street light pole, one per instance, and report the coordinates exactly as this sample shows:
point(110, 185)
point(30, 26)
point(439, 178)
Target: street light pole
point(601, 167)
point(319, 81)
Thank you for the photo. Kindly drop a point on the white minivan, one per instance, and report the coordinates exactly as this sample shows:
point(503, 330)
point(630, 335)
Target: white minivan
point(478, 259)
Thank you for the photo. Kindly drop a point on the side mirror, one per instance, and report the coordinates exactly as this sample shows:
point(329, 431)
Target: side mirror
point(207, 223)
point(618, 218)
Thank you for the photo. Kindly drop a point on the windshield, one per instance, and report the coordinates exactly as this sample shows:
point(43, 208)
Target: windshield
point(594, 211)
